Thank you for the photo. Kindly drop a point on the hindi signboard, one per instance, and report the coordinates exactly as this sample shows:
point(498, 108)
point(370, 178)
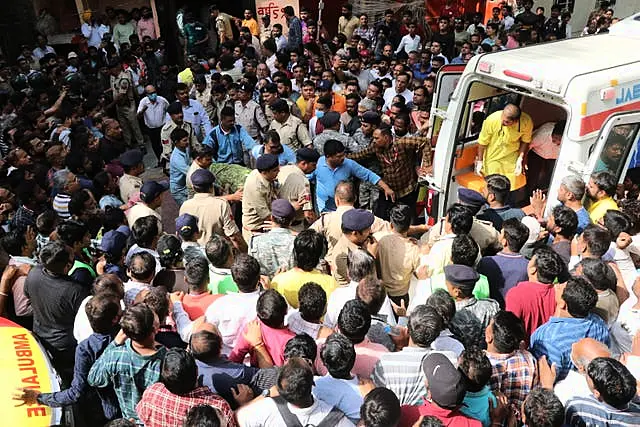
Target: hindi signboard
point(273, 8)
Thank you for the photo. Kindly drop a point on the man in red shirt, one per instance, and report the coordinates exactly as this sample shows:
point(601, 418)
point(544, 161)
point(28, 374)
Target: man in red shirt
point(534, 301)
point(446, 389)
point(199, 298)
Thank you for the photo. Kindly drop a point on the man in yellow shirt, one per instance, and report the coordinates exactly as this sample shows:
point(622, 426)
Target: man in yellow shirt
point(250, 22)
point(600, 191)
point(503, 143)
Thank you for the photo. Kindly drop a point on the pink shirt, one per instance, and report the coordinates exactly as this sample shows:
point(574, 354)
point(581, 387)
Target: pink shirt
point(274, 340)
point(146, 27)
point(532, 302)
point(367, 355)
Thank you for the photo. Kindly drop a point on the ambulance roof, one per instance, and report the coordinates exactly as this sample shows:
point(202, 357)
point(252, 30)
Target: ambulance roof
point(553, 65)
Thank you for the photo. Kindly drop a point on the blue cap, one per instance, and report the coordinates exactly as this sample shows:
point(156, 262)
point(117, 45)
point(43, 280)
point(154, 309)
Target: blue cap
point(357, 219)
point(282, 208)
point(124, 229)
point(131, 158)
point(330, 119)
point(307, 154)
point(266, 162)
point(202, 178)
point(324, 85)
point(113, 242)
point(461, 276)
point(471, 198)
point(152, 189)
point(187, 225)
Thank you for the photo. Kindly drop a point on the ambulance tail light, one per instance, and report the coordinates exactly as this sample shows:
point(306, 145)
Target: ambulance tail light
point(608, 94)
point(518, 75)
point(485, 67)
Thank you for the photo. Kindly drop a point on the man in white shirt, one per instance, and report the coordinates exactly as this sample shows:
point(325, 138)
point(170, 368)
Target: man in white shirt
point(42, 48)
point(193, 112)
point(153, 109)
point(410, 42)
point(400, 88)
point(232, 312)
point(295, 404)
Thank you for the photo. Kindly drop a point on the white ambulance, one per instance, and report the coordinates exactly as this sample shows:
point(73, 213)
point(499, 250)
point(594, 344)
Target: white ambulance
point(593, 83)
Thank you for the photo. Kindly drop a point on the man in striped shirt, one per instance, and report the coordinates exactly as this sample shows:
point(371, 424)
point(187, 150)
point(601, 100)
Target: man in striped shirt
point(65, 183)
point(571, 322)
point(613, 388)
point(401, 372)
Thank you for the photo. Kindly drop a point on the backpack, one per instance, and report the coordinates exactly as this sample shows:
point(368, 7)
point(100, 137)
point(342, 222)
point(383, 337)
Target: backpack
point(292, 421)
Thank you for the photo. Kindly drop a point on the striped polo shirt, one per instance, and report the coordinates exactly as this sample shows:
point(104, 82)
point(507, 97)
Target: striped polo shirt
point(587, 411)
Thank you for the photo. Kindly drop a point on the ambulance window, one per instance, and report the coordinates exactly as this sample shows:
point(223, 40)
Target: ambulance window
point(621, 143)
point(482, 108)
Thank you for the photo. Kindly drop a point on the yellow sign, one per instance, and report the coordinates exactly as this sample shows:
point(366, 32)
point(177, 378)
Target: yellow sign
point(273, 8)
point(23, 364)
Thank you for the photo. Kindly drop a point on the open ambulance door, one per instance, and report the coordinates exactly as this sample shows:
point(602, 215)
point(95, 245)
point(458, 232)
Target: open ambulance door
point(616, 148)
point(442, 134)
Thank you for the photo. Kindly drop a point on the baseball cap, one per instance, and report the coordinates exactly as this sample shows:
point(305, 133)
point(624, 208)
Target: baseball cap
point(152, 189)
point(446, 384)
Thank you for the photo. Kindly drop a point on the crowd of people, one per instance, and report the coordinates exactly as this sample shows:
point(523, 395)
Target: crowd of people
point(299, 287)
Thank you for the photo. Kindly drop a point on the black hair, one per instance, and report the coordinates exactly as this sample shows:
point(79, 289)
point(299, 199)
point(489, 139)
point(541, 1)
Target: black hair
point(46, 222)
point(464, 250)
point(308, 247)
point(597, 239)
point(201, 150)
point(271, 308)
point(381, 408)
point(145, 230)
point(14, 241)
point(205, 345)
point(400, 217)
point(202, 416)
point(218, 250)
point(169, 249)
point(499, 186)
point(270, 45)
point(302, 345)
point(196, 273)
point(312, 300)
point(338, 356)
point(179, 372)
point(443, 304)
point(616, 222)
point(579, 296)
point(567, 219)
point(372, 293)
point(137, 322)
point(54, 256)
point(295, 379)
point(599, 273)
point(460, 218)
point(142, 266)
point(425, 325)
point(613, 381)
point(108, 284)
point(476, 368)
point(467, 329)
point(157, 300)
point(245, 272)
point(71, 232)
point(120, 422)
point(177, 134)
point(606, 181)
point(508, 332)
point(542, 408)
point(549, 264)
point(354, 320)
point(333, 147)
point(101, 311)
point(113, 218)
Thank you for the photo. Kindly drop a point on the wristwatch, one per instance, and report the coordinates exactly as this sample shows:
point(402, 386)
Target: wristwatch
point(266, 392)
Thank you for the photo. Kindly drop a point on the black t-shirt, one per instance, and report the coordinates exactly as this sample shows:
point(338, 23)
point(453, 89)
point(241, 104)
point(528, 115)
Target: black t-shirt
point(448, 43)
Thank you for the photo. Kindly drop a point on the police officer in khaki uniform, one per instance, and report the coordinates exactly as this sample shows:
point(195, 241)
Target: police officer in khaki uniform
point(260, 189)
point(295, 187)
point(483, 232)
point(249, 115)
point(213, 213)
point(130, 182)
point(176, 122)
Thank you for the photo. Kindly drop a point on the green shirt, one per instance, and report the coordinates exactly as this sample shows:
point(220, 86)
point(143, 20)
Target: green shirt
point(480, 291)
point(221, 282)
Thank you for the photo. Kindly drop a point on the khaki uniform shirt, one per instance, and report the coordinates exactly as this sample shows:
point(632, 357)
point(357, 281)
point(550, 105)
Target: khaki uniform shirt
point(129, 185)
point(204, 98)
point(214, 216)
point(251, 117)
point(330, 225)
point(165, 136)
point(293, 107)
point(256, 203)
point(399, 257)
point(293, 185)
point(293, 132)
point(140, 210)
point(337, 259)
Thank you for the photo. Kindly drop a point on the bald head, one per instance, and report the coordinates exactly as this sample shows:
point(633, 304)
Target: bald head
point(345, 194)
point(587, 349)
point(206, 345)
point(149, 89)
point(510, 114)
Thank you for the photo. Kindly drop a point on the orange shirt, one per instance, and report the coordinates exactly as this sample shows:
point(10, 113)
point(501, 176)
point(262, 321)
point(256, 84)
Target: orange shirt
point(339, 103)
point(196, 305)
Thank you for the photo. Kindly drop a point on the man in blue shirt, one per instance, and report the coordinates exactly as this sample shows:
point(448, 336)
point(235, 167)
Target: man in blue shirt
point(272, 145)
point(193, 112)
point(571, 322)
point(179, 166)
point(228, 140)
point(332, 168)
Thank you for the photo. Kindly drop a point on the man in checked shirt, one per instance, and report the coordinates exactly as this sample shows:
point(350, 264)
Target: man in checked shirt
point(402, 161)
